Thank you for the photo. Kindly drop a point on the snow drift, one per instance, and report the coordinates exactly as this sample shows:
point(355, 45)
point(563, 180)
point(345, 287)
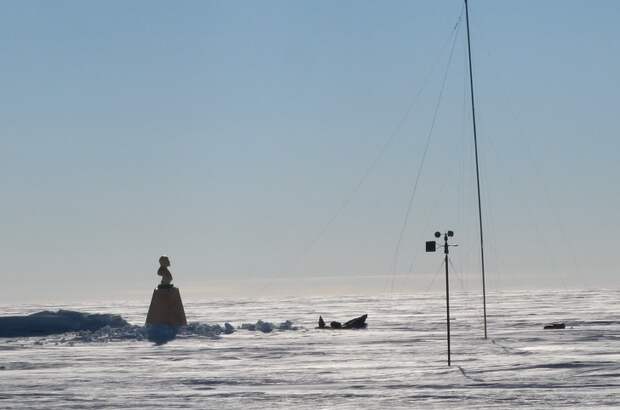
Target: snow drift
point(48, 323)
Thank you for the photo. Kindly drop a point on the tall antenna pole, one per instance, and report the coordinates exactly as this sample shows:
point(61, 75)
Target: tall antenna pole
point(473, 117)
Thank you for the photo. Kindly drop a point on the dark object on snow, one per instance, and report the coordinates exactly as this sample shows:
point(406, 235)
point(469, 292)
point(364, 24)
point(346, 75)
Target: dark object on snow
point(356, 323)
point(335, 325)
point(556, 325)
point(49, 323)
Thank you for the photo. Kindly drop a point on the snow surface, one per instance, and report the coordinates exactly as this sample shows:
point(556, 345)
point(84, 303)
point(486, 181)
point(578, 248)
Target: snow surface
point(228, 358)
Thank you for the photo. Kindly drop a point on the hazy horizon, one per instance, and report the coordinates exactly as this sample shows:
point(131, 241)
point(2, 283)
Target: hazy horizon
point(283, 287)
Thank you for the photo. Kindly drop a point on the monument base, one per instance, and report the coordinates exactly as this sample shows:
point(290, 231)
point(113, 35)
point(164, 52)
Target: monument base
point(166, 308)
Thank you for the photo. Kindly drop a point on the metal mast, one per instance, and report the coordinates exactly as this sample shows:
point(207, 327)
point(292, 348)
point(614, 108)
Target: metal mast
point(445, 251)
point(473, 117)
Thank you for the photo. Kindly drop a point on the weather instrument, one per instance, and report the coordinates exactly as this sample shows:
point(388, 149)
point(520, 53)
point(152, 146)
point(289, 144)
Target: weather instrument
point(431, 246)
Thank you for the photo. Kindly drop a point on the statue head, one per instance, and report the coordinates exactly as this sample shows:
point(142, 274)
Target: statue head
point(164, 261)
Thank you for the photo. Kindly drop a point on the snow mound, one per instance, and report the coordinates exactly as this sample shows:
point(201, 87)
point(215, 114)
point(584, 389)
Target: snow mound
point(48, 323)
point(70, 327)
point(268, 327)
point(159, 334)
point(205, 329)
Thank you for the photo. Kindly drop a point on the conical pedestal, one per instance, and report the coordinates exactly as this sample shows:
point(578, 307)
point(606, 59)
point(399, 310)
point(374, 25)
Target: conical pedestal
point(166, 308)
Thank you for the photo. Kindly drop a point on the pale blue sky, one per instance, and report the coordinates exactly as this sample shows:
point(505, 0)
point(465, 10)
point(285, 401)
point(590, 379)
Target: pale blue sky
point(227, 134)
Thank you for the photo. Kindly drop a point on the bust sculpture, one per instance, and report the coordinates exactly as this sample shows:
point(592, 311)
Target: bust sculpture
point(166, 306)
point(166, 276)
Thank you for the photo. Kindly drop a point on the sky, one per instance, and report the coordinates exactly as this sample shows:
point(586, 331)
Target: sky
point(271, 148)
